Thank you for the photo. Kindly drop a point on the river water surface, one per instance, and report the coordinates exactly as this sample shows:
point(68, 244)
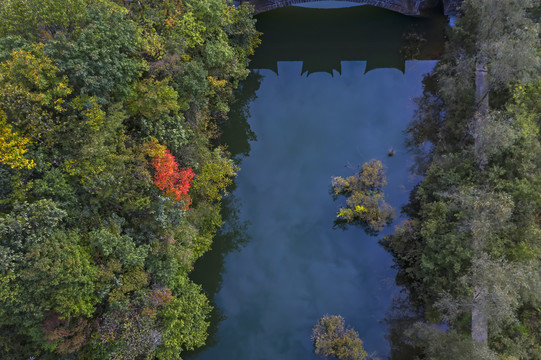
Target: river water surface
point(328, 88)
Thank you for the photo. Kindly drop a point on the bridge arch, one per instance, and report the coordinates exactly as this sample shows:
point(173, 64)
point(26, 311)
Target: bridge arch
point(406, 7)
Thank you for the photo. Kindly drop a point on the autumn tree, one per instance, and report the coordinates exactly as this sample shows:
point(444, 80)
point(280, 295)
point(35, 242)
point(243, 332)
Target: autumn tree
point(168, 177)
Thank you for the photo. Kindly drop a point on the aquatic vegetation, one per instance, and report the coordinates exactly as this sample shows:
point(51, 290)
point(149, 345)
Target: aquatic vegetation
point(365, 203)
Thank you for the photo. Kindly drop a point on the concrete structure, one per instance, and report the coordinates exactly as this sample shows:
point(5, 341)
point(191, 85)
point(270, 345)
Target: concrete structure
point(406, 7)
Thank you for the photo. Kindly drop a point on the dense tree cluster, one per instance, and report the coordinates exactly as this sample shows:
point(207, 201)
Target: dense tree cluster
point(109, 183)
point(469, 254)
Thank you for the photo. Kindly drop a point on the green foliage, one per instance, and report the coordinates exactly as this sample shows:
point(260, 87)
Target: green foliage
point(219, 38)
point(29, 224)
point(10, 43)
point(214, 175)
point(99, 59)
point(35, 18)
point(58, 276)
point(217, 54)
point(447, 345)
point(27, 228)
point(499, 31)
point(61, 276)
point(94, 260)
point(365, 200)
point(332, 339)
point(470, 250)
point(55, 185)
point(109, 245)
point(192, 82)
point(241, 29)
point(155, 113)
point(184, 319)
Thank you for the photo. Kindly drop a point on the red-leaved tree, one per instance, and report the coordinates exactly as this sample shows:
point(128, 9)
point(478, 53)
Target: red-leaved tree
point(168, 177)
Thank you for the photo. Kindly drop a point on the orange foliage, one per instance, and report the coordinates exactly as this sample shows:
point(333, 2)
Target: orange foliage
point(168, 177)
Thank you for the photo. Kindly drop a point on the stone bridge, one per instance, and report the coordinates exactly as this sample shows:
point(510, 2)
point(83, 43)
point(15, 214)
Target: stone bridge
point(406, 7)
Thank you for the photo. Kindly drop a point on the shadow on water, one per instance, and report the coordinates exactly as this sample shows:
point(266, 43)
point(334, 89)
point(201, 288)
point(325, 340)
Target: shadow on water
point(323, 38)
point(236, 132)
point(399, 319)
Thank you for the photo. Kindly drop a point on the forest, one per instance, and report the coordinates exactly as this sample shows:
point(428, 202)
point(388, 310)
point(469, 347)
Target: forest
point(469, 252)
point(111, 182)
point(110, 179)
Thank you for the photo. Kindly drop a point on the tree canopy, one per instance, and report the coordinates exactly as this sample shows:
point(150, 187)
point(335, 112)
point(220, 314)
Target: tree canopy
point(365, 204)
point(333, 340)
point(469, 252)
point(110, 183)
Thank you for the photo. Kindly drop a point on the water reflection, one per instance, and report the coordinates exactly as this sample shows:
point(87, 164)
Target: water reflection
point(292, 267)
point(295, 267)
point(208, 270)
point(399, 319)
point(236, 132)
point(236, 136)
point(322, 39)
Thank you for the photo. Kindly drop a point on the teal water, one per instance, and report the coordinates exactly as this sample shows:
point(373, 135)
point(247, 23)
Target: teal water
point(278, 265)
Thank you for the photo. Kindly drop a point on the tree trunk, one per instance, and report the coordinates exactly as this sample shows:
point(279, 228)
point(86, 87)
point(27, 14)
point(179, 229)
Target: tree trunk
point(481, 101)
point(479, 320)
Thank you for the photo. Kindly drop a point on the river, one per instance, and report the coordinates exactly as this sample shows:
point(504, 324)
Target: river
point(328, 88)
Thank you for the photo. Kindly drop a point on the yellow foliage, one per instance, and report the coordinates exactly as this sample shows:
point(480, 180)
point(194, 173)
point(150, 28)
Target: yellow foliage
point(90, 110)
point(85, 169)
point(342, 213)
point(339, 184)
point(153, 148)
point(214, 175)
point(70, 167)
point(228, 16)
point(360, 209)
point(216, 83)
point(151, 42)
point(153, 99)
point(34, 76)
point(192, 29)
point(13, 146)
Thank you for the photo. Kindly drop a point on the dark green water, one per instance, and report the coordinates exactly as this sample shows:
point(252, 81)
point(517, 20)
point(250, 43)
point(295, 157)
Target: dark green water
point(278, 265)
